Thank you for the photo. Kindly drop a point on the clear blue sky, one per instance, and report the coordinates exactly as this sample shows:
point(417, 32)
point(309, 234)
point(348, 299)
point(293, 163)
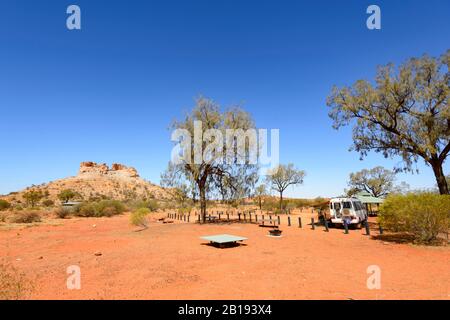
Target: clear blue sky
point(107, 93)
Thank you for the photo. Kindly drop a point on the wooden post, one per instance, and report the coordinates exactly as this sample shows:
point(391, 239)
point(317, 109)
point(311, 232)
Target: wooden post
point(250, 217)
point(219, 216)
point(188, 218)
point(313, 226)
point(256, 217)
point(228, 216)
point(244, 217)
point(366, 224)
point(299, 222)
point(279, 220)
point(239, 216)
point(289, 221)
point(199, 219)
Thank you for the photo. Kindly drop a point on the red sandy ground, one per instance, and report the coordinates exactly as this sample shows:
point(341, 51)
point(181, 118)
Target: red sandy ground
point(170, 261)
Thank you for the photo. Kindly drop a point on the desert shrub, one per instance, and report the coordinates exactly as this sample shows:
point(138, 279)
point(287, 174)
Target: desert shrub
point(424, 215)
point(4, 205)
point(13, 284)
point(62, 213)
point(85, 210)
point(3, 217)
point(28, 216)
point(33, 197)
point(139, 217)
point(151, 204)
point(105, 208)
point(271, 204)
point(48, 203)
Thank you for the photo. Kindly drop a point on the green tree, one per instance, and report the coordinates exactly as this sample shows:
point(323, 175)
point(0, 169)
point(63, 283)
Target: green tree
point(405, 113)
point(379, 182)
point(283, 176)
point(33, 197)
point(218, 165)
point(4, 205)
point(67, 195)
point(260, 192)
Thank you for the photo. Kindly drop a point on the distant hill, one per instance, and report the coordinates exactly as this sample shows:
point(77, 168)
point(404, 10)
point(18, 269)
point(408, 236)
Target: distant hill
point(96, 181)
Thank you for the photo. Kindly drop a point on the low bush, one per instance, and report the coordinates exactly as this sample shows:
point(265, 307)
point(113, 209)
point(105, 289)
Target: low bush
point(62, 213)
point(4, 205)
point(105, 208)
point(13, 285)
point(150, 204)
point(423, 215)
point(139, 217)
point(48, 203)
point(28, 216)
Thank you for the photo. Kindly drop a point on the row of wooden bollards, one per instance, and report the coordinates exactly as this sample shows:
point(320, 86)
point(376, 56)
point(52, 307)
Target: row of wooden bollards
point(243, 217)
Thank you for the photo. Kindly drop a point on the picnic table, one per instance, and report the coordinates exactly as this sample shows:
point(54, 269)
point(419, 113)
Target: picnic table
point(212, 218)
point(223, 239)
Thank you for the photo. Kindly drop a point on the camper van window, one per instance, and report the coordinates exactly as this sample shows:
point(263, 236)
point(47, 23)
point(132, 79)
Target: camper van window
point(347, 205)
point(337, 206)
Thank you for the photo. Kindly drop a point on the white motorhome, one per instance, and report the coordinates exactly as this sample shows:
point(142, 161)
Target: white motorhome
point(349, 209)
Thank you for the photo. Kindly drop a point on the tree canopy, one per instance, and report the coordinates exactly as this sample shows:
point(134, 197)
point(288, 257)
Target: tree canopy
point(379, 181)
point(405, 113)
point(211, 154)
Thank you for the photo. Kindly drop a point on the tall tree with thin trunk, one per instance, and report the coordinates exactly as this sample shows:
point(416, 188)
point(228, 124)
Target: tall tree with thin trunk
point(260, 192)
point(405, 113)
point(283, 176)
point(207, 160)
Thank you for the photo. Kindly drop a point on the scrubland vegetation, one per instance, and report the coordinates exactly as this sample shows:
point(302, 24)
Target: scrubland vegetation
point(423, 215)
point(13, 284)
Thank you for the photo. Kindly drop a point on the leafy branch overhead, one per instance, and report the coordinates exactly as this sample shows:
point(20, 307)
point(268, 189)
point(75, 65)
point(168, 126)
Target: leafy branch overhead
point(405, 113)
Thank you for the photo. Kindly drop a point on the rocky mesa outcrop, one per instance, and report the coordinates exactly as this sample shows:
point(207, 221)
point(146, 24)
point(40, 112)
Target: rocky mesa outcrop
point(99, 181)
point(117, 170)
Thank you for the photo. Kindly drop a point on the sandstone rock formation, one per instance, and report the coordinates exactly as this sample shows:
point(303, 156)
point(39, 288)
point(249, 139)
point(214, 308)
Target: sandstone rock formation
point(117, 170)
point(99, 181)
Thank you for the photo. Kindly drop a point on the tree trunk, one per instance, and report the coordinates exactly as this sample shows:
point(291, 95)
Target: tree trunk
point(281, 200)
point(202, 202)
point(260, 203)
point(440, 177)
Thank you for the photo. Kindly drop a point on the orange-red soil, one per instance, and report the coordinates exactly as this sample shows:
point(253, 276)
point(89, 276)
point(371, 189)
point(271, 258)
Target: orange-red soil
point(170, 261)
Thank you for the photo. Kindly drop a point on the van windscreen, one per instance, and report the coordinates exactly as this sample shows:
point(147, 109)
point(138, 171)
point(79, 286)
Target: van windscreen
point(347, 205)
